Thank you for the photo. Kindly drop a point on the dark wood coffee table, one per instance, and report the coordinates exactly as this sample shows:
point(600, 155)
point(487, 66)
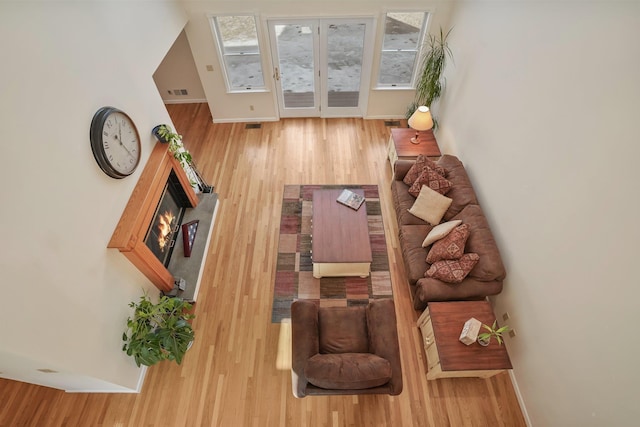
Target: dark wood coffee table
point(339, 237)
point(447, 357)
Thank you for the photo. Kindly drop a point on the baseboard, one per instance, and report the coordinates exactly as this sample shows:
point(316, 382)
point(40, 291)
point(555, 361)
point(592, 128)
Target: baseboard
point(393, 117)
point(184, 101)
point(124, 390)
point(523, 408)
point(247, 120)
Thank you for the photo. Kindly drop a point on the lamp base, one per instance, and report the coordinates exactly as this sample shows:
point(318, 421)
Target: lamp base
point(414, 140)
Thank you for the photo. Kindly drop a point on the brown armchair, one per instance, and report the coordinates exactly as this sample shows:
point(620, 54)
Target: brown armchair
point(345, 350)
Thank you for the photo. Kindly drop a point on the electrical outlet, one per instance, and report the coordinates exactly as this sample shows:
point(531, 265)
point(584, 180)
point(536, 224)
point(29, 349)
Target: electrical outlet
point(209, 67)
point(250, 107)
point(506, 316)
point(512, 333)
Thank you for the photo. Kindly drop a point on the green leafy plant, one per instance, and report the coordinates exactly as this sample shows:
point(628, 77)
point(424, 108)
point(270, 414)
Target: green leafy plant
point(159, 331)
point(430, 82)
point(493, 332)
point(166, 134)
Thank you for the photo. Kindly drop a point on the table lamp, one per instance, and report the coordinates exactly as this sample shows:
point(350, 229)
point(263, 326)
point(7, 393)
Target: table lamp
point(420, 120)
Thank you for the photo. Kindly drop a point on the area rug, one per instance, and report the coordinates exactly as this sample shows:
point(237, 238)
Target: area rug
point(294, 279)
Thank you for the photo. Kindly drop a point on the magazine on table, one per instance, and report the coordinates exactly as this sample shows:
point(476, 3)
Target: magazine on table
point(351, 199)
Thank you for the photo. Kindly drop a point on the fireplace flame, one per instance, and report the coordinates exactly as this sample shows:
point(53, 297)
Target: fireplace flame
point(165, 221)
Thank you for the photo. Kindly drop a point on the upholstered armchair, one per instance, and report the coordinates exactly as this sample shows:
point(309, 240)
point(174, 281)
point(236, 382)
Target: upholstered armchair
point(345, 350)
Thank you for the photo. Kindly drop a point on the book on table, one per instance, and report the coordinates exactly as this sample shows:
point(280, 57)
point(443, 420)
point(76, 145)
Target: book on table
point(350, 199)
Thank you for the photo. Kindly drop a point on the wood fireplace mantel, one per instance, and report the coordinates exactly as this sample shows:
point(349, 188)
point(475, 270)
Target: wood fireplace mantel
point(130, 232)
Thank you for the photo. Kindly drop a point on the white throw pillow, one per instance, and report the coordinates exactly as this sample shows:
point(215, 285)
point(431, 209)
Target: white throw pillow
point(440, 231)
point(430, 205)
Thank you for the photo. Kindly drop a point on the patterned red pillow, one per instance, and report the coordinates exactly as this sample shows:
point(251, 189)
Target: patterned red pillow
point(451, 246)
point(453, 270)
point(431, 179)
point(421, 162)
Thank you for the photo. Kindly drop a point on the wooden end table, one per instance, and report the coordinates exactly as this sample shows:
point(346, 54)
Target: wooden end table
point(401, 147)
point(447, 357)
point(340, 243)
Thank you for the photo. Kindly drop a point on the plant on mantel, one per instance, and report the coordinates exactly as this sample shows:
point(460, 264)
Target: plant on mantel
point(430, 81)
point(158, 331)
point(165, 134)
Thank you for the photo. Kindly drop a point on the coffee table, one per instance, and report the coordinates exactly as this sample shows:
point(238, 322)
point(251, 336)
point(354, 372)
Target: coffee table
point(339, 237)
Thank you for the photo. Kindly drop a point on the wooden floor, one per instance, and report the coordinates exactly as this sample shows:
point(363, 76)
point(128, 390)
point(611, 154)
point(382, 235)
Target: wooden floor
point(232, 376)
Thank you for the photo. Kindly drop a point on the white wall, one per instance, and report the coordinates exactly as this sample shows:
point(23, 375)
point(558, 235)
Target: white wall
point(178, 71)
point(542, 107)
point(235, 107)
point(65, 295)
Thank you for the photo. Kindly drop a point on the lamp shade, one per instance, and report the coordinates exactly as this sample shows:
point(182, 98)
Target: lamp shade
point(421, 119)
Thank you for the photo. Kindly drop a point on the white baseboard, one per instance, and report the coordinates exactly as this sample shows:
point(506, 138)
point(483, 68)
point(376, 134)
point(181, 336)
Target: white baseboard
point(396, 117)
point(523, 408)
point(247, 120)
point(125, 390)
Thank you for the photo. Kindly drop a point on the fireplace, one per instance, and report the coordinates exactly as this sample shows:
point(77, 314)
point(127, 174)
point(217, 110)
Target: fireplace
point(164, 226)
point(163, 188)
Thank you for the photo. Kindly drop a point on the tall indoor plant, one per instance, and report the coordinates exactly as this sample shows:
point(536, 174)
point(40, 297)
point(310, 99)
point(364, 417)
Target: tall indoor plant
point(430, 81)
point(158, 331)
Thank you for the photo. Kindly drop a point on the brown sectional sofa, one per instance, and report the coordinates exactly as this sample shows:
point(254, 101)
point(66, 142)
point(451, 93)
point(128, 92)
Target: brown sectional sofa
point(485, 278)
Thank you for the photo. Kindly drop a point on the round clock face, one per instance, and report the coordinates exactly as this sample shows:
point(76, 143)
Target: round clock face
point(115, 142)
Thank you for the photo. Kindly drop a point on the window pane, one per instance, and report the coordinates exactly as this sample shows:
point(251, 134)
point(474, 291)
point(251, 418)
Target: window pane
point(244, 71)
point(403, 34)
point(238, 34)
point(396, 68)
point(238, 41)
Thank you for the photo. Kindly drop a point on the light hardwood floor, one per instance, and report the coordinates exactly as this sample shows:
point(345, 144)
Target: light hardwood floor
point(230, 377)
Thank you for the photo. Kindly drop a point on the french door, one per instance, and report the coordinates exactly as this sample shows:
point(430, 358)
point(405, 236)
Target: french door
point(322, 67)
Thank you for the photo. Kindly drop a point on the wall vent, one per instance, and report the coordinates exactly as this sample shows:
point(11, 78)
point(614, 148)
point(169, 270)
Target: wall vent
point(48, 371)
point(180, 92)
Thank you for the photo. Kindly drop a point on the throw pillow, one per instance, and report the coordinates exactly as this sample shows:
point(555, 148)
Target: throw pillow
point(451, 247)
point(440, 231)
point(432, 179)
point(430, 205)
point(416, 169)
point(453, 270)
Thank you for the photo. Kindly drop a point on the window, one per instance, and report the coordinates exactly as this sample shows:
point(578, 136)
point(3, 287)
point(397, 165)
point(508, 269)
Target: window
point(240, 51)
point(403, 36)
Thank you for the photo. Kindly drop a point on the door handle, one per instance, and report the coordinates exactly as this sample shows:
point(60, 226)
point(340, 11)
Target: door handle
point(277, 74)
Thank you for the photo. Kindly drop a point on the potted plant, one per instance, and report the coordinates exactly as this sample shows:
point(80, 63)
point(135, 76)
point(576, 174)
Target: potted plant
point(485, 337)
point(430, 82)
point(158, 331)
point(165, 134)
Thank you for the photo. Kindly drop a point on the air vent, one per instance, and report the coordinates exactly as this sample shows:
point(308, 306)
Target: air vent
point(180, 92)
point(392, 123)
point(47, 371)
point(253, 126)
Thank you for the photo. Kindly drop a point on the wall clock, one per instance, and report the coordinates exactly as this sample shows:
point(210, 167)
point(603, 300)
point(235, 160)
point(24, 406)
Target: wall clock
point(115, 142)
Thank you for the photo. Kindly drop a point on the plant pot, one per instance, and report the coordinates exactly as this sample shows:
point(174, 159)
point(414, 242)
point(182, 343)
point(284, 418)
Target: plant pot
point(155, 133)
point(482, 342)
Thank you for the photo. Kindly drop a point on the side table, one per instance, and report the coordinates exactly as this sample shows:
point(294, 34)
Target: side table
point(447, 357)
point(401, 147)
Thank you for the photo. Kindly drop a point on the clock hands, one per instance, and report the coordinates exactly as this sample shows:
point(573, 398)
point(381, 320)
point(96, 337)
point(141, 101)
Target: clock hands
point(120, 140)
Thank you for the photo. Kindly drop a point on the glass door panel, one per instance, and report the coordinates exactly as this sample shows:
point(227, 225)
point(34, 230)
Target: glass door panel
point(294, 45)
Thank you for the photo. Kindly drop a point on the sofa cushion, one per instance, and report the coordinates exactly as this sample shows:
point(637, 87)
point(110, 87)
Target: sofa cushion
point(430, 205)
point(453, 270)
point(440, 231)
point(348, 371)
point(451, 247)
point(461, 192)
point(416, 169)
point(402, 202)
point(481, 241)
point(431, 179)
point(343, 330)
point(413, 254)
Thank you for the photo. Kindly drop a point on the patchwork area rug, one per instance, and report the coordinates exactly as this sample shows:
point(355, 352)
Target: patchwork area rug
point(294, 279)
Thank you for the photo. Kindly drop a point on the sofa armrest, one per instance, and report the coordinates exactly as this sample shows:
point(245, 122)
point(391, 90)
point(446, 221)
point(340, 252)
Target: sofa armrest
point(383, 339)
point(429, 290)
point(401, 167)
point(304, 342)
